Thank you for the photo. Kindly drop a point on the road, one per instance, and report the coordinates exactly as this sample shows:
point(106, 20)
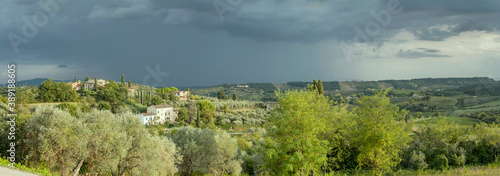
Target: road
point(4, 171)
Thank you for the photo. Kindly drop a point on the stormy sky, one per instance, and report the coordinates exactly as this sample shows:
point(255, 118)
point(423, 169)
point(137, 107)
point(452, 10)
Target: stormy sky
point(209, 42)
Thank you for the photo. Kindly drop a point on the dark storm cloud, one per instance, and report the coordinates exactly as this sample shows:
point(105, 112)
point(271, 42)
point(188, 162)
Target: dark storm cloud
point(62, 66)
point(473, 26)
point(419, 53)
point(188, 39)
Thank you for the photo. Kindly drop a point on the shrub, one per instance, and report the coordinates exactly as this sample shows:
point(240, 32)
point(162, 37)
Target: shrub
point(417, 160)
point(440, 162)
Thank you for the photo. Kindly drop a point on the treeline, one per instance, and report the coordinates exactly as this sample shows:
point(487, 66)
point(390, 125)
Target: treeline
point(332, 85)
point(266, 87)
point(490, 117)
point(481, 89)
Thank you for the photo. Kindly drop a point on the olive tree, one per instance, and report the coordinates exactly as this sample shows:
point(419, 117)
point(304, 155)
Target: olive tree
point(207, 151)
point(106, 144)
point(57, 139)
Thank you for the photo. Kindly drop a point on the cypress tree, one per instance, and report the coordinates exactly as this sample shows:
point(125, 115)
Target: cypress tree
point(86, 78)
point(75, 79)
point(123, 80)
point(129, 83)
point(320, 88)
point(95, 84)
point(198, 116)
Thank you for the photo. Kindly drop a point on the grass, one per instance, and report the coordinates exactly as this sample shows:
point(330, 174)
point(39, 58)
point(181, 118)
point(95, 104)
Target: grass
point(17, 166)
point(442, 102)
point(55, 104)
point(485, 105)
point(463, 111)
point(466, 170)
point(460, 121)
point(491, 169)
point(350, 86)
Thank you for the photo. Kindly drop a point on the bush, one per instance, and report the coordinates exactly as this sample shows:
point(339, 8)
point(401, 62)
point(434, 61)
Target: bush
point(417, 160)
point(104, 106)
point(440, 162)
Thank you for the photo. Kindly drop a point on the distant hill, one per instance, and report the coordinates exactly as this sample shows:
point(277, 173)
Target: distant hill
point(34, 82)
point(412, 84)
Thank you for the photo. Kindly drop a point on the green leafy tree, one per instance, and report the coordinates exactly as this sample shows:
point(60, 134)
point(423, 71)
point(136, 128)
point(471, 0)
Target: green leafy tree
point(86, 78)
point(207, 111)
point(182, 115)
point(156, 100)
point(75, 79)
point(129, 83)
point(173, 97)
point(436, 114)
point(419, 115)
point(235, 97)
point(50, 91)
point(47, 91)
point(103, 105)
point(378, 135)
point(294, 146)
point(221, 95)
point(113, 94)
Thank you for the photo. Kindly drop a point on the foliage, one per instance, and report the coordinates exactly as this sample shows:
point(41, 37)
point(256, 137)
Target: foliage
point(156, 100)
point(316, 87)
point(417, 160)
point(207, 151)
point(56, 139)
point(25, 95)
point(182, 115)
point(221, 95)
point(41, 170)
point(379, 133)
point(440, 162)
point(207, 110)
point(50, 91)
point(164, 90)
point(113, 94)
point(252, 117)
point(293, 145)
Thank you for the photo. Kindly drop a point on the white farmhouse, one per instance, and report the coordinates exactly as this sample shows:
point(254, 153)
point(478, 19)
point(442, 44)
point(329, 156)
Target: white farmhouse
point(183, 95)
point(165, 113)
point(148, 118)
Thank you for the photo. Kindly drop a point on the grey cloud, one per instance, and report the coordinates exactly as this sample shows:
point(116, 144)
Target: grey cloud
point(429, 50)
point(472, 25)
point(421, 53)
point(62, 66)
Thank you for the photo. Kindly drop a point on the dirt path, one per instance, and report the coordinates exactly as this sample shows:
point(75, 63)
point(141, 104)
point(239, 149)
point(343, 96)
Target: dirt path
point(4, 171)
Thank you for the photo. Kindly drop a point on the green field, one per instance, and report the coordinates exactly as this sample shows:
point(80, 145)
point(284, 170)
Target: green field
point(460, 121)
point(485, 105)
